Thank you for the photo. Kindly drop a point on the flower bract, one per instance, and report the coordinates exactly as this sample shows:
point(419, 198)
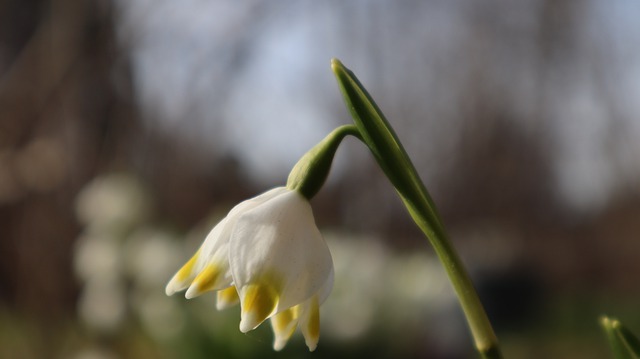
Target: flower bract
point(268, 255)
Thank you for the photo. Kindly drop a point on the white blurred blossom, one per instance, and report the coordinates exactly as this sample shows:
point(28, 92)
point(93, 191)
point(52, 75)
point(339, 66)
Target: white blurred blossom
point(97, 257)
point(381, 290)
point(159, 314)
point(150, 256)
point(102, 304)
point(114, 200)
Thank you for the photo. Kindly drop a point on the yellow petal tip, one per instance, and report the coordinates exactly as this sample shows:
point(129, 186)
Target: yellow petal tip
point(258, 303)
point(312, 346)
point(169, 289)
point(278, 345)
point(311, 325)
point(249, 322)
point(205, 281)
point(284, 324)
point(226, 298)
point(192, 292)
point(182, 279)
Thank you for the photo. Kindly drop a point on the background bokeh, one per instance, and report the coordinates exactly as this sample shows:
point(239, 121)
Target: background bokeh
point(128, 127)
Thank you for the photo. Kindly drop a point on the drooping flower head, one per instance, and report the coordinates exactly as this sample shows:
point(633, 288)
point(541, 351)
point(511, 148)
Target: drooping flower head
point(269, 255)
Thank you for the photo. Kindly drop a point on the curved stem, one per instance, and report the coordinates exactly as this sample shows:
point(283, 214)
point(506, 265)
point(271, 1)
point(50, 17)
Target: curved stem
point(394, 161)
point(309, 174)
point(484, 337)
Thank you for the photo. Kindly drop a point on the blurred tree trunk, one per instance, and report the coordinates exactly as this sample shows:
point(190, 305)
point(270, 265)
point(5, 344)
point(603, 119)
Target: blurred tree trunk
point(65, 103)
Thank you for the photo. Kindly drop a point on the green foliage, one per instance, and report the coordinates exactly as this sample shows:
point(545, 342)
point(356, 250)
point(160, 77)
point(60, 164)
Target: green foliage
point(623, 343)
point(388, 151)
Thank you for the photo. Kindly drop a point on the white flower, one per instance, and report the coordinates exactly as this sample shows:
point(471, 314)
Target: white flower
point(269, 255)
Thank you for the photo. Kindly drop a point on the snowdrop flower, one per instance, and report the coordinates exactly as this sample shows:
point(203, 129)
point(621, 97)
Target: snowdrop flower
point(269, 255)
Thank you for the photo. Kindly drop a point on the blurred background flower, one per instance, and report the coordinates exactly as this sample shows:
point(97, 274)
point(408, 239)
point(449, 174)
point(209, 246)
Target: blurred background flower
point(127, 128)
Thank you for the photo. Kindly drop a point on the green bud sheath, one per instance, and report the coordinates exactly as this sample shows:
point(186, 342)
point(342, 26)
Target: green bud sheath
point(309, 174)
point(387, 149)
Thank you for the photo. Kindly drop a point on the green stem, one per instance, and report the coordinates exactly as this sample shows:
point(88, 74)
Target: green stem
point(309, 174)
point(394, 161)
point(484, 337)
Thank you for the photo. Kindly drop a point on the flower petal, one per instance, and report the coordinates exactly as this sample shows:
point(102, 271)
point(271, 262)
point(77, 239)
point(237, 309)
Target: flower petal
point(211, 268)
point(326, 288)
point(309, 313)
point(283, 325)
point(258, 303)
point(208, 269)
point(208, 279)
point(310, 322)
point(279, 239)
point(227, 298)
point(183, 277)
